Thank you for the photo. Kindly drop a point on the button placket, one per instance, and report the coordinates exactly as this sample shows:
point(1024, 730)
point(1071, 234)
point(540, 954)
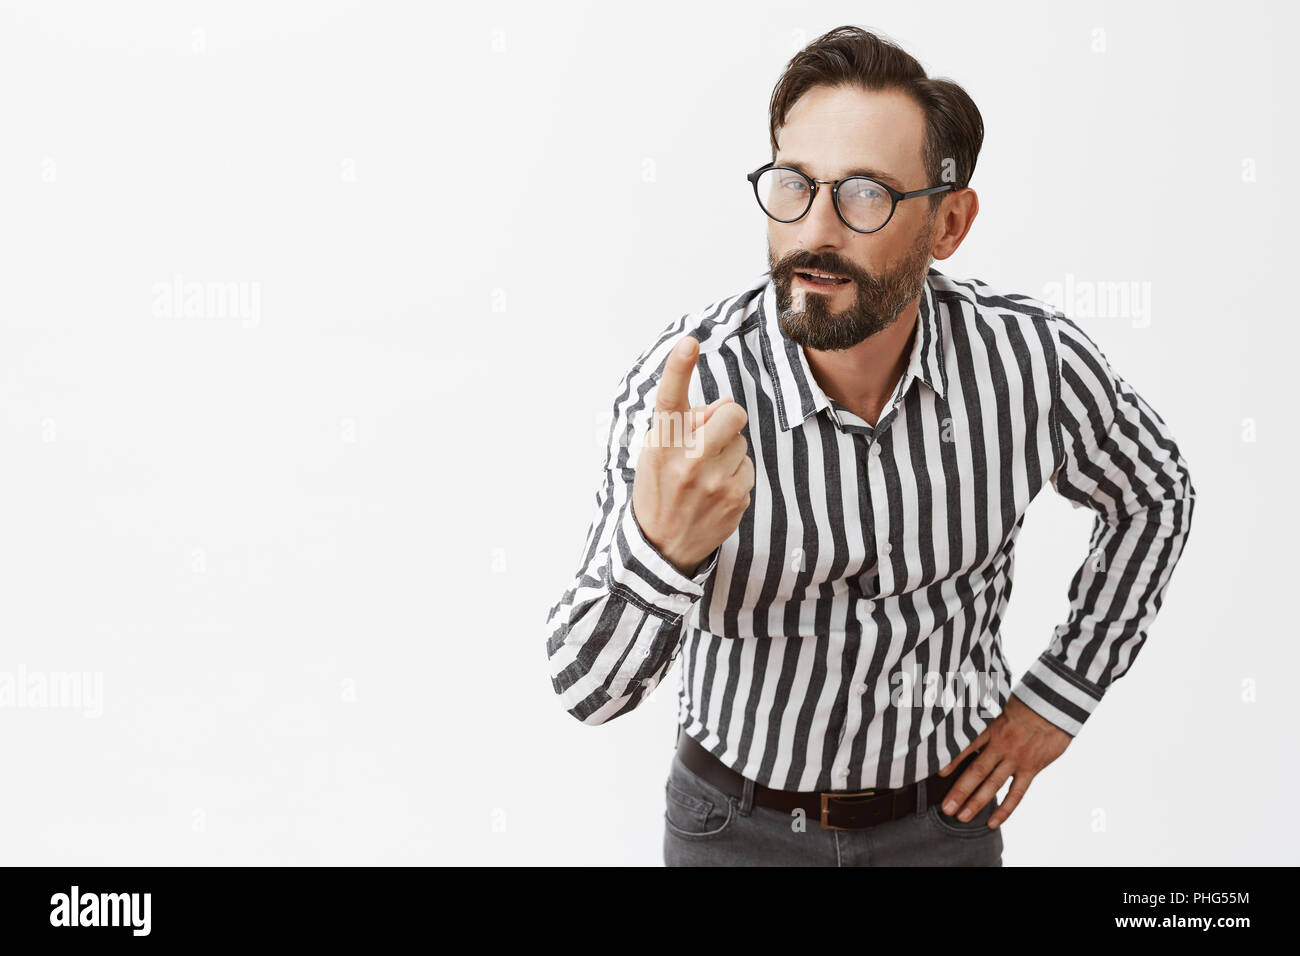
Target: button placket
point(853, 714)
point(850, 730)
point(875, 481)
point(857, 688)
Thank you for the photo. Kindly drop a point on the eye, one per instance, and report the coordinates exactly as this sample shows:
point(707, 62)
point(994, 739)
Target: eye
point(867, 191)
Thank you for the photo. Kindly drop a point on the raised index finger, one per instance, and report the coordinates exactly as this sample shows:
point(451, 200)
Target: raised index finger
point(675, 382)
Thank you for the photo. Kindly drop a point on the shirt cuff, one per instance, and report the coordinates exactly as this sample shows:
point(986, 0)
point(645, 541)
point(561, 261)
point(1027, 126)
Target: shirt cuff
point(1058, 694)
point(637, 566)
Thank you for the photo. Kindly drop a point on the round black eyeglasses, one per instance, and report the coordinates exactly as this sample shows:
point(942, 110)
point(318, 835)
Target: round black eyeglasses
point(862, 203)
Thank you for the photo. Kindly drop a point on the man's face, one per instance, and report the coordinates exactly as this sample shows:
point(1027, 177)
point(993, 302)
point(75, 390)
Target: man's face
point(830, 132)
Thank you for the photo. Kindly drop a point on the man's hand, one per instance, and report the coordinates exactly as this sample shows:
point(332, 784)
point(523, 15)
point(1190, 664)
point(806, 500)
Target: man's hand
point(1018, 744)
point(694, 474)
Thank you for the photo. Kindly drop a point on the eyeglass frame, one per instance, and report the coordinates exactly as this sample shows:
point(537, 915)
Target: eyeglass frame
point(895, 196)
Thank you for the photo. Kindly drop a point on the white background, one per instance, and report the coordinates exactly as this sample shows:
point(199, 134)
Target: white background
point(309, 550)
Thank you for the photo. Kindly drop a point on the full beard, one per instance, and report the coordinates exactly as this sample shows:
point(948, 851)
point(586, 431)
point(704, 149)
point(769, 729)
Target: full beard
point(877, 303)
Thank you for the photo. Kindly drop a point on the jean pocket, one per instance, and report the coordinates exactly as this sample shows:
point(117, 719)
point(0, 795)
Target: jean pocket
point(694, 808)
point(976, 826)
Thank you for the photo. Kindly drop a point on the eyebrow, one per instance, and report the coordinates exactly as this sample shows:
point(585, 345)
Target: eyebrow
point(883, 176)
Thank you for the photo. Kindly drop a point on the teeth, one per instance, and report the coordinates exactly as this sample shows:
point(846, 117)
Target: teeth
point(822, 275)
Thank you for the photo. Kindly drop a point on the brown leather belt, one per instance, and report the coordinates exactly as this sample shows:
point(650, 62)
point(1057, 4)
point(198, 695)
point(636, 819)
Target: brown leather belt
point(837, 809)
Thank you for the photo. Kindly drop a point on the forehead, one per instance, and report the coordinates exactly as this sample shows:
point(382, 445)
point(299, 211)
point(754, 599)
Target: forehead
point(833, 130)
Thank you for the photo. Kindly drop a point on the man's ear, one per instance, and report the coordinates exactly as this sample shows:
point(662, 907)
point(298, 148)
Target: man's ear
point(956, 215)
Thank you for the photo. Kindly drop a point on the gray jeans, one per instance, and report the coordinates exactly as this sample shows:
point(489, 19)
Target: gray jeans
point(703, 826)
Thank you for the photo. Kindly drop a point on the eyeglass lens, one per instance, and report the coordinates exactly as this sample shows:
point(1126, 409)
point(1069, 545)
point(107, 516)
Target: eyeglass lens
point(786, 195)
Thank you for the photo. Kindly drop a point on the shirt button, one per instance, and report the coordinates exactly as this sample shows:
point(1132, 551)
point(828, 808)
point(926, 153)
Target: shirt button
point(860, 689)
point(844, 772)
point(875, 449)
point(869, 605)
point(887, 548)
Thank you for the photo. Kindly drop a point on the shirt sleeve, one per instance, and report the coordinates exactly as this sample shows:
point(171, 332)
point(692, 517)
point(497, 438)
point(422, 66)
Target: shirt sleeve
point(1115, 455)
point(617, 629)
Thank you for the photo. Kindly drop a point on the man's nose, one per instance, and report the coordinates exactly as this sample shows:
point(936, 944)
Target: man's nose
point(821, 226)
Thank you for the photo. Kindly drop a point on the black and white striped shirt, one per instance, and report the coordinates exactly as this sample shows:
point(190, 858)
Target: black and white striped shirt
point(873, 561)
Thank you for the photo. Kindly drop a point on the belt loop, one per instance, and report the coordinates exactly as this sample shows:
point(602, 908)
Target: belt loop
point(747, 801)
point(922, 795)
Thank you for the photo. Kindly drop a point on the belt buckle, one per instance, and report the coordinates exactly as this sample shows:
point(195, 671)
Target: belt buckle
point(827, 797)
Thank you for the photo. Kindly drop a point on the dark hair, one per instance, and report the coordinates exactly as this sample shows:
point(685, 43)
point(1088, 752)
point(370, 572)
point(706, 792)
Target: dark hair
point(851, 56)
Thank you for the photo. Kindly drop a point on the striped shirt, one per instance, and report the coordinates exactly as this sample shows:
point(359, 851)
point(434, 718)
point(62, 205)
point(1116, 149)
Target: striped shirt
point(819, 643)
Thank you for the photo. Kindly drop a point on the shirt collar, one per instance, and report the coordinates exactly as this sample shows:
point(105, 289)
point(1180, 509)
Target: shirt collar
point(798, 395)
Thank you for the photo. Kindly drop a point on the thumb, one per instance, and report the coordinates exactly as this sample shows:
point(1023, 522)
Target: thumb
point(702, 415)
point(675, 382)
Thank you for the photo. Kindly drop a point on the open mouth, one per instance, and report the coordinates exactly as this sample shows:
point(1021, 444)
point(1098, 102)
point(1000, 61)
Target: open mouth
point(822, 280)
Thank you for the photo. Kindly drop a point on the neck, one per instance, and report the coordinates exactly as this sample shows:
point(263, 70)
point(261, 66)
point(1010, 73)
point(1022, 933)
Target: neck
point(862, 378)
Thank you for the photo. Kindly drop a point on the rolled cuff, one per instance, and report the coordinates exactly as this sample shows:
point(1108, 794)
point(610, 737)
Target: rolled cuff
point(1057, 694)
point(652, 580)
